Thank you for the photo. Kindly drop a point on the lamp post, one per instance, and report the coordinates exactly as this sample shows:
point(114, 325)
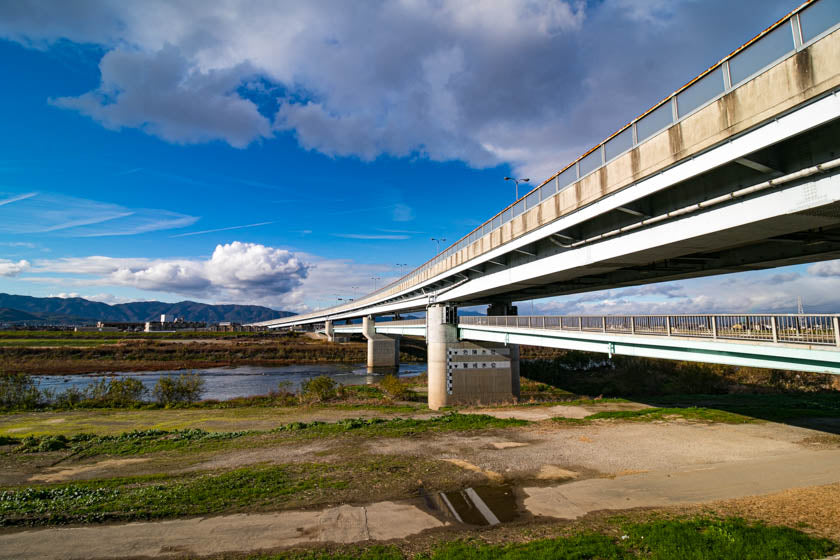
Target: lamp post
point(355, 289)
point(516, 182)
point(375, 278)
point(438, 241)
point(401, 268)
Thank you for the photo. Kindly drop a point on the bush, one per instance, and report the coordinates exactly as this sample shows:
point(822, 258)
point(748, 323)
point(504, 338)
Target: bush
point(69, 398)
point(319, 389)
point(395, 388)
point(18, 390)
point(125, 391)
point(186, 388)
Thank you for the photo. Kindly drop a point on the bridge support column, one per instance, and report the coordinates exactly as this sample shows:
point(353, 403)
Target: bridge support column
point(462, 372)
point(504, 309)
point(383, 352)
point(329, 331)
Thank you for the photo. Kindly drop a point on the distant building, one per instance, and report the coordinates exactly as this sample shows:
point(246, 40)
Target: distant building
point(172, 326)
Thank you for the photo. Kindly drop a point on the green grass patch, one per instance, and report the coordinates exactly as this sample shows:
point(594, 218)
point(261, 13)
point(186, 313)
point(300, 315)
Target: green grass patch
point(696, 539)
point(158, 496)
point(690, 413)
point(776, 408)
point(396, 427)
point(138, 442)
point(702, 539)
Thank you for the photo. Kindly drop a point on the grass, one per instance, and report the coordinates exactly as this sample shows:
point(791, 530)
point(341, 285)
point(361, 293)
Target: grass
point(690, 413)
point(158, 496)
point(194, 440)
point(776, 408)
point(688, 539)
point(652, 414)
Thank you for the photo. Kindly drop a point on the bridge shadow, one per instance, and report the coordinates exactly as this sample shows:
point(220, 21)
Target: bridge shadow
point(793, 398)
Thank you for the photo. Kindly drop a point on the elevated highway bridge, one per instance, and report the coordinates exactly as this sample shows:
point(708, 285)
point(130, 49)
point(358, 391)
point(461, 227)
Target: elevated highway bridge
point(737, 170)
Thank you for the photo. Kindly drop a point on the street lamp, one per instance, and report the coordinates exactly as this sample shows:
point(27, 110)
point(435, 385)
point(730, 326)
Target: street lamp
point(401, 268)
point(375, 278)
point(516, 182)
point(355, 289)
point(438, 241)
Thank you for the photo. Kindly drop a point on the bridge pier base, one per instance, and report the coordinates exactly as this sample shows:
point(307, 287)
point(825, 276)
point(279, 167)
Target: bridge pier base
point(466, 372)
point(383, 351)
point(501, 309)
point(329, 331)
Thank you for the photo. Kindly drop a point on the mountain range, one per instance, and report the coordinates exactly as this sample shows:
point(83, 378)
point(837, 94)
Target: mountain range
point(73, 309)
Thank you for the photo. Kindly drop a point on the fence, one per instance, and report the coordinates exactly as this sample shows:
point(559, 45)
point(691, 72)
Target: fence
point(791, 329)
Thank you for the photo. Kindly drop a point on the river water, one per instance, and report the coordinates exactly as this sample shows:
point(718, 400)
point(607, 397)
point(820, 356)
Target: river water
point(241, 381)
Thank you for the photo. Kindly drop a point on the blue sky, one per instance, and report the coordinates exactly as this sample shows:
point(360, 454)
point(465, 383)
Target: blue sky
point(287, 154)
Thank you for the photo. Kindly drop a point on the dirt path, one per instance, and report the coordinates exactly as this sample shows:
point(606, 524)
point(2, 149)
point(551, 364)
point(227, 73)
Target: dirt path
point(214, 535)
point(390, 520)
point(697, 485)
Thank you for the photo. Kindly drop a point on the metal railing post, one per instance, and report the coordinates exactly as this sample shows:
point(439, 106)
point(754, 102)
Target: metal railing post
point(836, 330)
point(667, 325)
point(714, 327)
point(775, 328)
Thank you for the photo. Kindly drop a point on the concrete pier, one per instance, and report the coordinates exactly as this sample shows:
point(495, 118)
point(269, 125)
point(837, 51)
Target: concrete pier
point(383, 351)
point(466, 372)
point(329, 331)
point(506, 309)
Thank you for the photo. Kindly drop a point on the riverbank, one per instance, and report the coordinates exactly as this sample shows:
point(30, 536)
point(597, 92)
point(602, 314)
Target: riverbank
point(349, 478)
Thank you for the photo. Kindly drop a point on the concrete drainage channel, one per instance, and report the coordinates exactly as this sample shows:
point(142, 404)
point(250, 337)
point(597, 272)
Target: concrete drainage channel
point(481, 505)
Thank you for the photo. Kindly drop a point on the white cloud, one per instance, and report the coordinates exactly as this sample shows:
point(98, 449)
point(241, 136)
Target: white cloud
point(235, 271)
point(527, 82)
point(11, 268)
point(825, 269)
point(51, 213)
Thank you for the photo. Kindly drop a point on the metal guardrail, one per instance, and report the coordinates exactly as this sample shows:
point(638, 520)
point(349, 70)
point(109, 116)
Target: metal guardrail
point(821, 330)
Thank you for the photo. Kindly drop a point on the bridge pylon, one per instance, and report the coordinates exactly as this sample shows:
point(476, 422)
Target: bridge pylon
point(462, 372)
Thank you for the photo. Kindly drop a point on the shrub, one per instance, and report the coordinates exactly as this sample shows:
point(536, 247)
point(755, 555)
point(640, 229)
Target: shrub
point(69, 398)
point(125, 391)
point(18, 390)
point(319, 389)
point(186, 388)
point(395, 388)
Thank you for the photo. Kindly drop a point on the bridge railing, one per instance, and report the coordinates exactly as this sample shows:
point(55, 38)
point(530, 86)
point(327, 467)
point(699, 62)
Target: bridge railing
point(790, 329)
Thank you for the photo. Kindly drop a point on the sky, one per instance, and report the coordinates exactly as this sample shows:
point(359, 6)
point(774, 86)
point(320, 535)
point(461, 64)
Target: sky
point(289, 154)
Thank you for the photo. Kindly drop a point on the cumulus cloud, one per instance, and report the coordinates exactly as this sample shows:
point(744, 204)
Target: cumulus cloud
point(157, 92)
point(243, 273)
point(234, 272)
point(531, 83)
point(11, 268)
point(825, 269)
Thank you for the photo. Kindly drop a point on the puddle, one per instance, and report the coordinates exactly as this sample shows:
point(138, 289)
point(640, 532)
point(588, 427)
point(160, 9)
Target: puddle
point(482, 505)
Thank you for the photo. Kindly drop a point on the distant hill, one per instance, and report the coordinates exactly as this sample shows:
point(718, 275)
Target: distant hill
point(10, 315)
point(139, 311)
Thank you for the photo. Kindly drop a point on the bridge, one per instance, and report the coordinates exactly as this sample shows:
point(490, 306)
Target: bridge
point(735, 171)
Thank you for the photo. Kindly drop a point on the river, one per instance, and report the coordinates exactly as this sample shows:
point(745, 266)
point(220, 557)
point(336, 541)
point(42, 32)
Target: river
point(241, 381)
